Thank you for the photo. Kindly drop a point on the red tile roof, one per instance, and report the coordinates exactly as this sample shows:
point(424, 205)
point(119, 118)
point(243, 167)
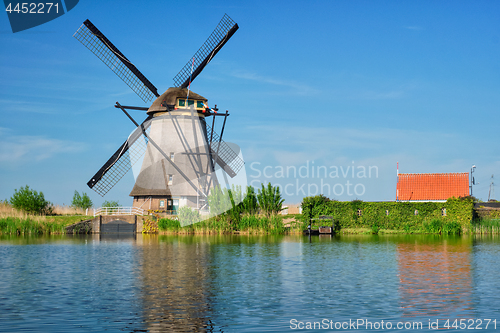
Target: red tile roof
point(432, 186)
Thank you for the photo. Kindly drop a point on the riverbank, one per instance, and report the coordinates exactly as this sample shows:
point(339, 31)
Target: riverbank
point(17, 223)
point(245, 224)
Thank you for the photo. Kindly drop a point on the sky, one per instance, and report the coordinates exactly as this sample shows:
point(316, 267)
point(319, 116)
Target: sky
point(324, 96)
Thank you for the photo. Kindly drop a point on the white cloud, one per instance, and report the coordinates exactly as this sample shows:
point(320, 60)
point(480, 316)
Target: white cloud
point(26, 148)
point(298, 88)
point(414, 27)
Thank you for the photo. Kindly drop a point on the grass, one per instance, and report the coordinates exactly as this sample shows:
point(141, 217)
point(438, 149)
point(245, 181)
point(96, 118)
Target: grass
point(16, 222)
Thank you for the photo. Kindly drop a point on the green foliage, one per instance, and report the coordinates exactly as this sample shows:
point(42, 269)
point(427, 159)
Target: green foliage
point(452, 228)
point(30, 201)
point(110, 204)
point(18, 226)
point(250, 204)
point(313, 206)
point(188, 216)
point(378, 216)
point(219, 200)
point(252, 224)
point(81, 201)
point(435, 226)
point(168, 224)
point(270, 200)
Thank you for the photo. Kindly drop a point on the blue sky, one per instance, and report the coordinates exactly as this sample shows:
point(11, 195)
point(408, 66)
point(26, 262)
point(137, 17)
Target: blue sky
point(330, 84)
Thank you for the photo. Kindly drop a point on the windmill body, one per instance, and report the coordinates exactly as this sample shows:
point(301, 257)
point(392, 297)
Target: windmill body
point(181, 152)
point(179, 128)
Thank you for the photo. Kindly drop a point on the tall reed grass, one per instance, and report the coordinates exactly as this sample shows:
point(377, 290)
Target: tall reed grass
point(486, 226)
point(247, 224)
point(15, 222)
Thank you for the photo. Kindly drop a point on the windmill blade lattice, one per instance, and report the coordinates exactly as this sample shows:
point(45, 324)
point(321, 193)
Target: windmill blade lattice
point(226, 158)
point(96, 42)
point(122, 161)
point(224, 30)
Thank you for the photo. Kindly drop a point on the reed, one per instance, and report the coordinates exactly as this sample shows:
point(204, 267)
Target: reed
point(15, 222)
point(68, 210)
point(486, 226)
point(29, 226)
point(223, 224)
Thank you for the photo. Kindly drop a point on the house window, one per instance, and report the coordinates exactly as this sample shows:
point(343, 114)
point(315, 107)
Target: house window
point(359, 212)
point(443, 211)
point(387, 212)
point(416, 212)
point(170, 179)
point(162, 203)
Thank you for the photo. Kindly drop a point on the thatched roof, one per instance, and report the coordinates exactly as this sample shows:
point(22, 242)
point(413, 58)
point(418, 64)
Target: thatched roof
point(170, 96)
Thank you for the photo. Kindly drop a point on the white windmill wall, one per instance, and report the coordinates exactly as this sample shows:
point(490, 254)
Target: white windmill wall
point(176, 132)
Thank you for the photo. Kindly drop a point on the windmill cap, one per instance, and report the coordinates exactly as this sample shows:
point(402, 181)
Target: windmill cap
point(170, 97)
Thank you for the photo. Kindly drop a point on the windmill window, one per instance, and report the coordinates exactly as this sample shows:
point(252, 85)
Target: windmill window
point(200, 104)
point(190, 102)
point(170, 179)
point(162, 203)
point(172, 156)
point(182, 102)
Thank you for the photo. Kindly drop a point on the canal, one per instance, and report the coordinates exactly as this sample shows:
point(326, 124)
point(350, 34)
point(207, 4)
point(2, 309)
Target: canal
point(236, 283)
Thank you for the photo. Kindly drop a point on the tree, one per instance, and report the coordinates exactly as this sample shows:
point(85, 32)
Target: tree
point(30, 201)
point(81, 201)
point(270, 200)
point(249, 204)
point(111, 204)
point(312, 205)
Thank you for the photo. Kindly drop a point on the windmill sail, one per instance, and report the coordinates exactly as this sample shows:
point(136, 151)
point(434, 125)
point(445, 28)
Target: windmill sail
point(224, 155)
point(121, 162)
point(224, 30)
point(96, 42)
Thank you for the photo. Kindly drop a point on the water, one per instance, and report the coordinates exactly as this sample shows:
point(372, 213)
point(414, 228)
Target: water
point(248, 283)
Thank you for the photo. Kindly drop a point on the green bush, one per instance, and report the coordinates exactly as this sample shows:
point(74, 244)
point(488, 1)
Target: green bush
point(110, 204)
point(452, 228)
point(188, 216)
point(168, 224)
point(313, 206)
point(30, 201)
point(81, 201)
point(435, 226)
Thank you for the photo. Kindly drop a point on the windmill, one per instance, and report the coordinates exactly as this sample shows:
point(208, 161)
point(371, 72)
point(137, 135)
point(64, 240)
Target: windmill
point(180, 152)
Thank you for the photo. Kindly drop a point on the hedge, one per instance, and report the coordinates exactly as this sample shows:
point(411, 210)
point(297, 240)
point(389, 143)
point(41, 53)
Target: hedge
point(411, 217)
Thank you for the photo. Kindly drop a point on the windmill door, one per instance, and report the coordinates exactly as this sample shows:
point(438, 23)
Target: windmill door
point(173, 206)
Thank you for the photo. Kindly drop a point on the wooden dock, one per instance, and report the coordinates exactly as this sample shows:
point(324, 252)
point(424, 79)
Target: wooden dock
point(326, 226)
